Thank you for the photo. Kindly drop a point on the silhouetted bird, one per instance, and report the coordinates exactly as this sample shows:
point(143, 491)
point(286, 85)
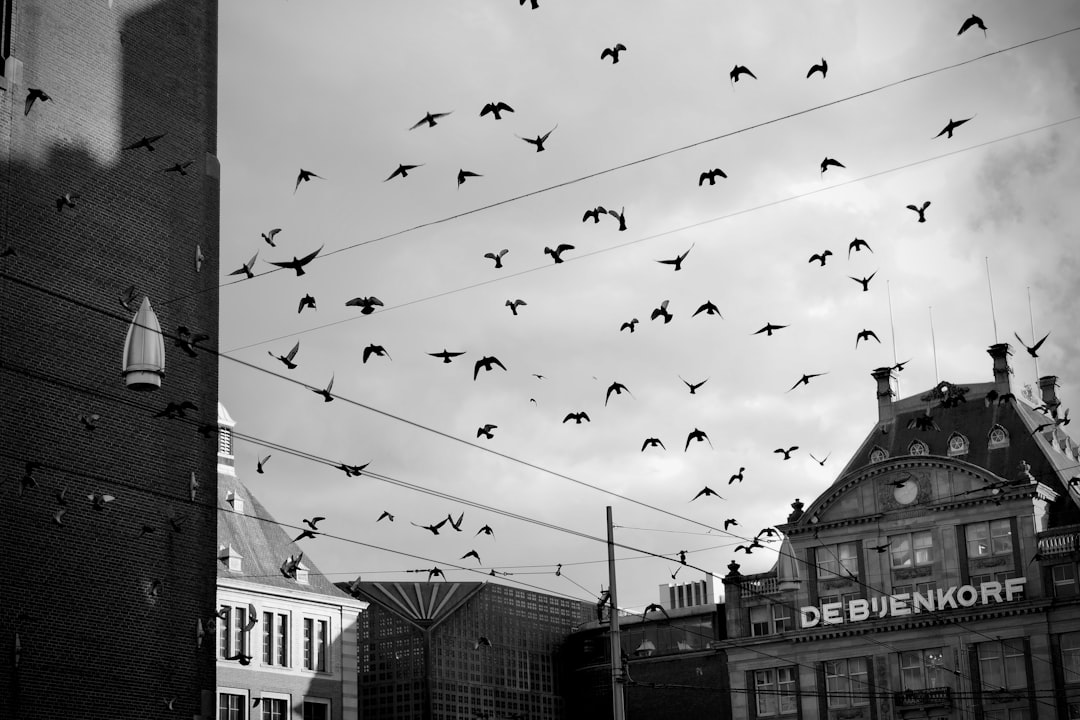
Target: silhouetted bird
point(145, 142)
point(973, 21)
point(32, 95)
point(1033, 350)
point(921, 210)
point(711, 176)
point(822, 68)
point(820, 257)
point(540, 139)
point(738, 71)
point(298, 264)
point(495, 109)
point(430, 119)
point(613, 53)
point(947, 131)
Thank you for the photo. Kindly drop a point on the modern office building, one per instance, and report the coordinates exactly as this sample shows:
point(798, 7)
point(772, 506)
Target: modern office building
point(936, 577)
point(285, 635)
point(109, 491)
point(442, 650)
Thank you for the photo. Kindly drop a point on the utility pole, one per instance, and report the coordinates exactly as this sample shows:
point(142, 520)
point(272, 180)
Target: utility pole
point(618, 699)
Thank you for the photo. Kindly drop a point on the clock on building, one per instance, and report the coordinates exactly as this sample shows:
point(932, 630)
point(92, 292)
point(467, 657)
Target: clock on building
point(906, 493)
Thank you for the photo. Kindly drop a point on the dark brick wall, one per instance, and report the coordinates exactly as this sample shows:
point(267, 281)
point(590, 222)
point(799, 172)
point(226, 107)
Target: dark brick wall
point(95, 643)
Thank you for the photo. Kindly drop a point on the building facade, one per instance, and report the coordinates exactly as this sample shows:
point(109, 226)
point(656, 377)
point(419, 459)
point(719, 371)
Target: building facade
point(936, 577)
point(444, 650)
point(110, 512)
point(285, 635)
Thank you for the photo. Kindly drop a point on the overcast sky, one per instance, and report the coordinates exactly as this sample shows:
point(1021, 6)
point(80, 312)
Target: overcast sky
point(334, 87)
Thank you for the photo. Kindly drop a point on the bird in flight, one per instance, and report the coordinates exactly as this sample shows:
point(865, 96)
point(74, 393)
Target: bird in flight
point(787, 453)
point(260, 464)
point(176, 410)
point(819, 462)
point(446, 355)
point(830, 162)
point(377, 350)
point(705, 491)
point(822, 68)
point(652, 442)
point(188, 341)
point(474, 554)
point(820, 257)
point(556, 254)
point(145, 142)
point(617, 388)
point(595, 214)
point(711, 176)
point(486, 362)
point(1033, 351)
point(805, 380)
point(462, 175)
point(515, 304)
point(245, 269)
point(366, 304)
point(613, 53)
point(693, 386)
point(769, 329)
point(305, 176)
point(620, 216)
point(698, 435)
point(298, 264)
point(923, 422)
point(325, 392)
point(403, 171)
point(304, 535)
point(738, 71)
point(180, 167)
point(857, 245)
point(434, 528)
point(678, 260)
point(865, 282)
point(66, 200)
point(269, 236)
point(486, 530)
point(540, 139)
point(127, 297)
point(973, 21)
point(661, 311)
point(497, 257)
point(729, 522)
point(577, 417)
point(866, 335)
point(430, 119)
point(306, 301)
point(456, 525)
point(708, 308)
point(485, 430)
point(387, 515)
point(629, 325)
point(737, 476)
point(495, 109)
point(32, 95)
point(921, 210)
point(947, 131)
point(288, 357)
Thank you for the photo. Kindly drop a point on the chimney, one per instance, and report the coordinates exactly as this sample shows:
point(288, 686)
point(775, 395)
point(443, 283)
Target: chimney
point(1047, 388)
point(884, 376)
point(1000, 352)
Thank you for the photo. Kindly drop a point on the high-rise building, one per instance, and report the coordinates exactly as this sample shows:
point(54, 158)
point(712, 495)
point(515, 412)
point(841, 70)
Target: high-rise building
point(936, 577)
point(442, 650)
point(108, 485)
point(285, 634)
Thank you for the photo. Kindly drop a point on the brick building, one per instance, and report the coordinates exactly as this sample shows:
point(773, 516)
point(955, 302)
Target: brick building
point(110, 510)
point(936, 577)
point(294, 628)
point(443, 650)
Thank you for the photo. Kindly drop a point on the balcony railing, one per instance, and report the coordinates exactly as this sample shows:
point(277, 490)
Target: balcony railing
point(763, 585)
point(1059, 541)
point(923, 698)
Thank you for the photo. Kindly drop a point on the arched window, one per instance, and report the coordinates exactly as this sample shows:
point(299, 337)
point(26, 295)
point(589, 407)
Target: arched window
point(958, 444)
point(878, 455)
point(998, 437)
point(918, 447)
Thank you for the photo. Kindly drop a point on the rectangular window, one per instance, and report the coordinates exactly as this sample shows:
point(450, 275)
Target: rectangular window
point(759, 620)
point(309, 650)
point(1070, 656)
point(922, 669)
point(989, 538)
point(840, 560)
point(224, 631)
point(322, 637)
point(283, 640)
point(317, 710)
point(268, 638)
point(1064, 580)
point(912, 550)
point(775, 691)
point(238, 635)
point(231, 706)
point(781, 618)
point(275, 709)
point(845, 683)
point(1002, 665)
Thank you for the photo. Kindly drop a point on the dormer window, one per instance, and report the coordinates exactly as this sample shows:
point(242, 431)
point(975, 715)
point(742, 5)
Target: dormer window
point(918, 447)
point(230, 558)
point(235, 500)
point(998, 437)
point(878, 455)
point(301, 574)
point(958, 445)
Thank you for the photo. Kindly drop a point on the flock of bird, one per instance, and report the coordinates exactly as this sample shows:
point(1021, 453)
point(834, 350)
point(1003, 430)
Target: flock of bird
point(500, 259)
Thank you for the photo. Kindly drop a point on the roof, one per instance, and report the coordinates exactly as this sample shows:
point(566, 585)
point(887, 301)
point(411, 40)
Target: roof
point(263, 544)
point(423, 604)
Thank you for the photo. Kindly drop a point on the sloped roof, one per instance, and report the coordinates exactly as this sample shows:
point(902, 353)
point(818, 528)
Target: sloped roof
point(1050, 453)
point(424, 604)
point(263, 544)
